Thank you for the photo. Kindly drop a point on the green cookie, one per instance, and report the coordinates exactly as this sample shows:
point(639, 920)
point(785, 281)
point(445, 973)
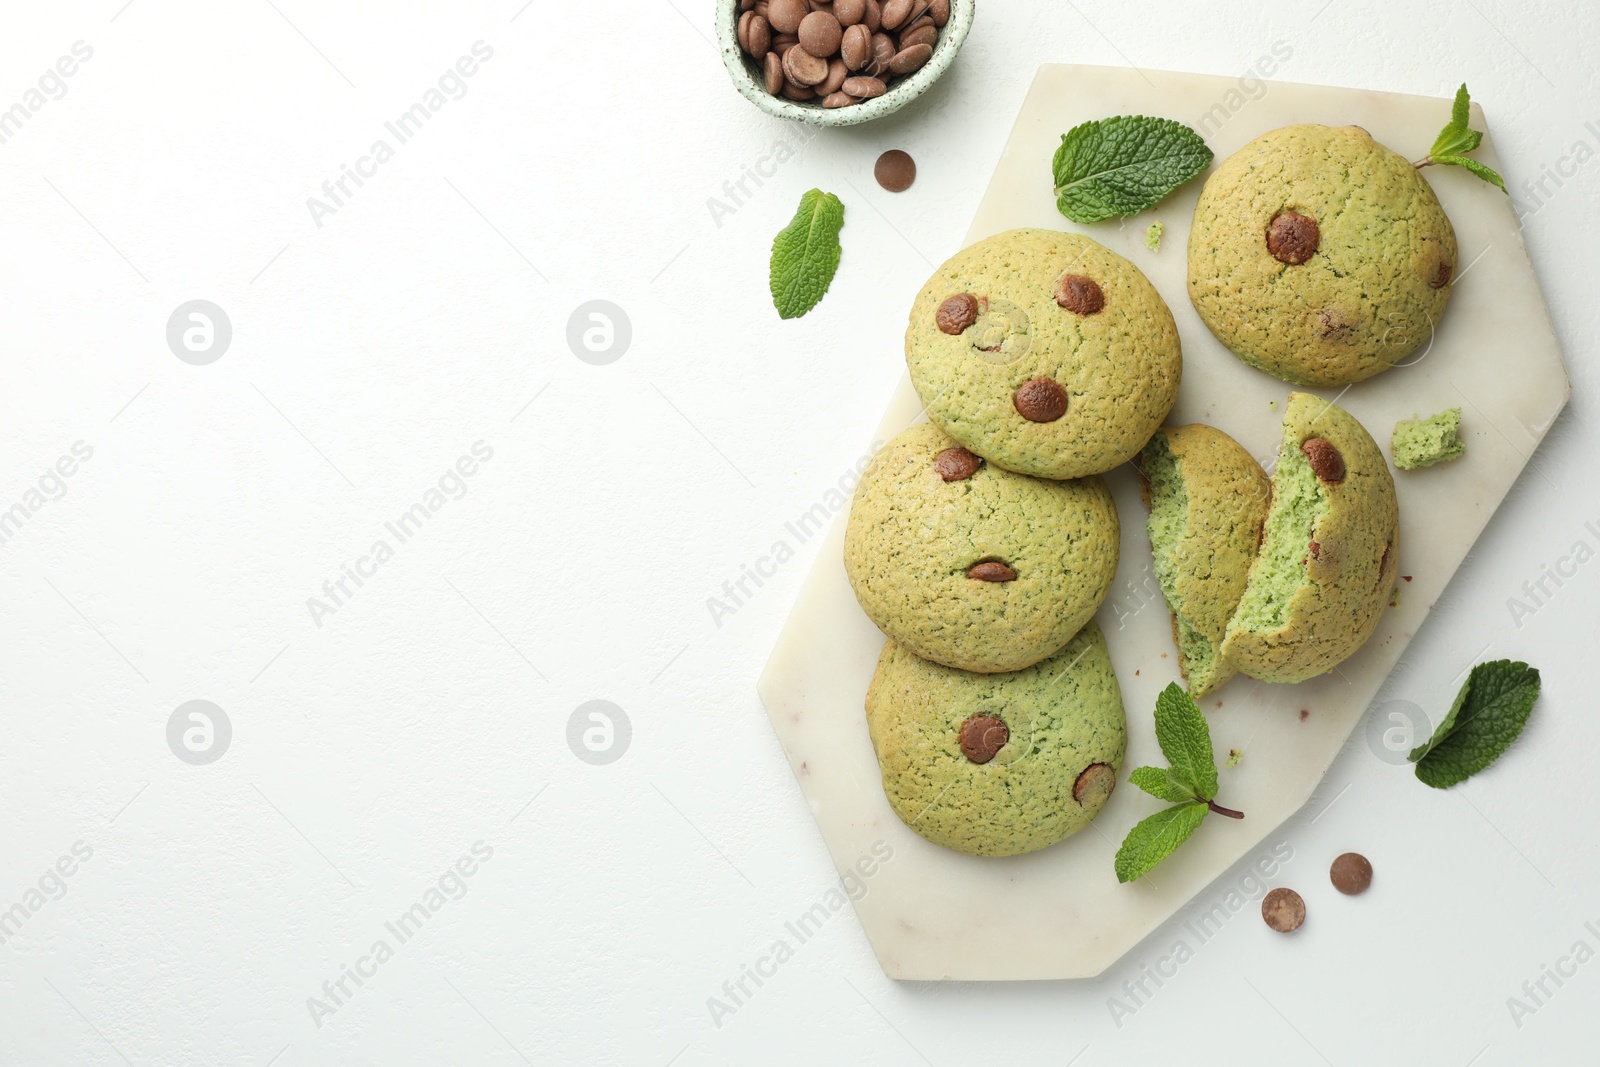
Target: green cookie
point(973, 566)
point(1323, 574)
point(1050, 740)
point(1045, 353)
point(1320, 256)
point(1207, 498)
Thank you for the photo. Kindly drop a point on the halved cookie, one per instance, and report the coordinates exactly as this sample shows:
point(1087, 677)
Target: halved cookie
point(1207, 498)
point(1327, 563)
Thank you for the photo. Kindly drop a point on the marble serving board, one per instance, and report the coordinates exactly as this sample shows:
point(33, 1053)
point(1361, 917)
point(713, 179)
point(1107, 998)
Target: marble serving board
point(1060, 912)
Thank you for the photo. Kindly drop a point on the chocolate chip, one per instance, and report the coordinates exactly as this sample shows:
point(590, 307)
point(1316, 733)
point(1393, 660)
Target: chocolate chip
point(982, 736)
point(895, 170)
point(786, 15)
point(940, 10)
point(803, 68)
point(955, 464)
point(896, 12)
point(1351, 873)
point(1441, 277)
point(910, 58)
point(833, 100)
point(1080, 295)
point(837, 73)
point(991, 570)
point(855, 47)
point(1293, 238)
point(1040, 400)
point(864, 87)
point(956, 313)
point(849, 12)
point(883, 51)
point(924, 33)
point(760, 35)
point(820, 33)
point(1094, 784)
point(1325, 460)
point(773, 69)
point(1316, 550)
point(1283, 910)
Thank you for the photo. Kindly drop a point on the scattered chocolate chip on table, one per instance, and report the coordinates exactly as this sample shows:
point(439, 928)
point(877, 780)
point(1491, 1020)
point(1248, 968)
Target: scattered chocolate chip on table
point(1351, 873)
point(895, 170)
point(1283, 910)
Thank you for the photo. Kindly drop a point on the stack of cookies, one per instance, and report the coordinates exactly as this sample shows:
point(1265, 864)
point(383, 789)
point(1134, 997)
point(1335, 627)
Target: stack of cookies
point(983, 541)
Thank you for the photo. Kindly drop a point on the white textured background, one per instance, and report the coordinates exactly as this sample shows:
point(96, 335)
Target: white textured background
point(429, 712)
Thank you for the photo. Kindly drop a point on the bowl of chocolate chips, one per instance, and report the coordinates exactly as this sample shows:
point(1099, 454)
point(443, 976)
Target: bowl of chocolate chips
point(838, 62)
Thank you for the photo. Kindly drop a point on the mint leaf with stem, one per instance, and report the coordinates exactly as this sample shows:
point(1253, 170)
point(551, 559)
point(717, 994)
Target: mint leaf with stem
point(1450, 148)
point(1191, 783)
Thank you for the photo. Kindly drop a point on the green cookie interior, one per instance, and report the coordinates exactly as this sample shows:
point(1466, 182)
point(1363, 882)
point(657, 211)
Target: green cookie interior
point(1424, 442)
point(1199, 658)
point(1298, 498)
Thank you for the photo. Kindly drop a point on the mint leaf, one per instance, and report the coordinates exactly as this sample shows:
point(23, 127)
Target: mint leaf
point(805, 254)
point(1487, 716)
point(1486, 173)
point(1191, 782)
point(1159, 784)
point(1457, 138)
point(1156, 838)
point(1450, 148)
point(1123, 165)
point(1185, 740)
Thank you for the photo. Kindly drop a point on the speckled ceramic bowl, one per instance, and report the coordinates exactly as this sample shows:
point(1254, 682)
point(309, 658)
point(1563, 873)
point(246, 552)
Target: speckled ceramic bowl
point(747, 77)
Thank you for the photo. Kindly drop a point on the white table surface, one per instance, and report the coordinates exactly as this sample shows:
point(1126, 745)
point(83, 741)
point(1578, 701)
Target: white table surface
point(428, 712)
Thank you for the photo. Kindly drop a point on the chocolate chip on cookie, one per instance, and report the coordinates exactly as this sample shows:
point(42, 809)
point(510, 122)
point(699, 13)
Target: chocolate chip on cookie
point(1441, 276)
point(1040, 400)
point(957, 313)
point(1094, 784)
point(955, 464)
point(1293, 238)
point(991, 570)
point(982, 736)
point(1080, 295)
point(1325, 460)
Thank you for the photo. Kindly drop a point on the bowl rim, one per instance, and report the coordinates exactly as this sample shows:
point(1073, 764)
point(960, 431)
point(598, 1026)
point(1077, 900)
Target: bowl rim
point(744, 78)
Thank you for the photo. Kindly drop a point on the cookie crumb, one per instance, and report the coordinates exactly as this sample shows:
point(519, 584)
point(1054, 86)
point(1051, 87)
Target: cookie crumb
point(1305, 713)
point(1152, 236)
point(1234, 756)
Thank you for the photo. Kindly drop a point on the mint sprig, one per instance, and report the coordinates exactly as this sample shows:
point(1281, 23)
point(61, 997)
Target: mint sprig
point(805, 254)
point(1123, 165)
point(1456, 140)
point(1190, 783)
point(1488, 715)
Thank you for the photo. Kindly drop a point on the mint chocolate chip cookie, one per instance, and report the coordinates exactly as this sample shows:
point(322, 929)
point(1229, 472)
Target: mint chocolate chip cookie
point(1320, 256)
point(998, 764)
point(1207, 498)
point(973, 566)
point(1327, 562)
point(1044, 353)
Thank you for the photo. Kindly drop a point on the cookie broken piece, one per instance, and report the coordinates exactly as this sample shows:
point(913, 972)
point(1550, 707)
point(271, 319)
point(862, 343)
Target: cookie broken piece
point(1424, 442)
point(1208, 499)
point(1329, 553)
